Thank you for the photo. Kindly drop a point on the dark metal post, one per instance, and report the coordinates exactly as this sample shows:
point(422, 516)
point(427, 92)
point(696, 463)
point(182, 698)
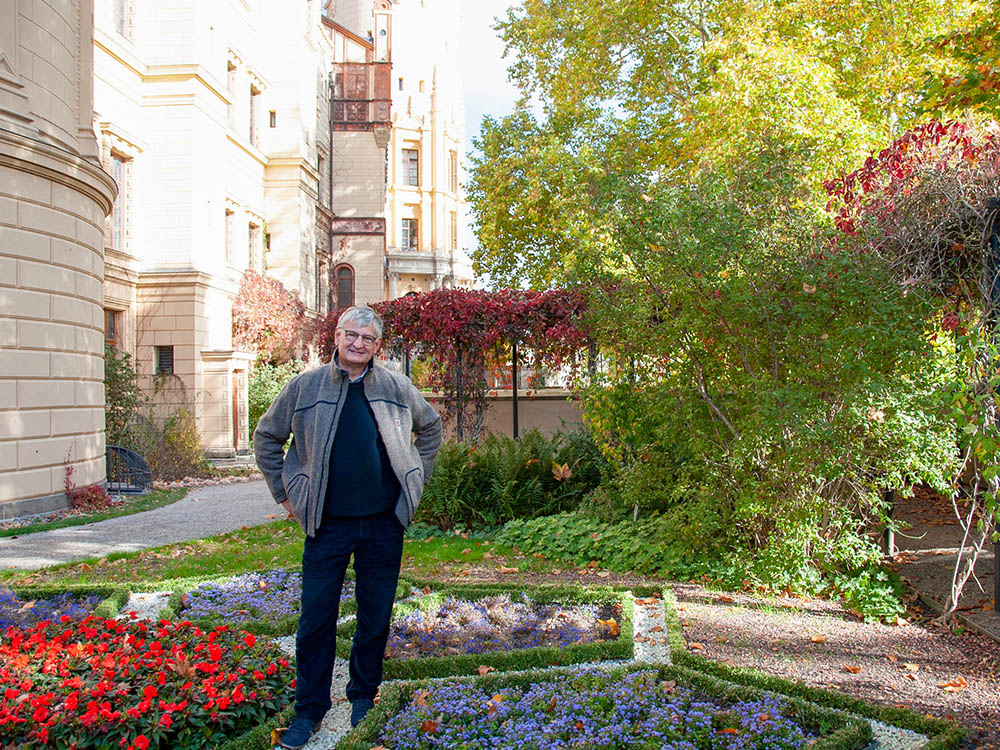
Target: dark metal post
point(514, 377)
point(993, 241)
point(458, 392)
point(890, 535)
point(406, 362)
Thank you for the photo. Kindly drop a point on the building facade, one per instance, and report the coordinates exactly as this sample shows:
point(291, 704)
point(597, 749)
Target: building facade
point(213, 117)
point(424, 208)
point(53, 200)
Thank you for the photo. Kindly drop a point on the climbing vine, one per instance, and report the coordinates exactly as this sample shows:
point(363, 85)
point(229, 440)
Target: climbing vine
point(466, 333)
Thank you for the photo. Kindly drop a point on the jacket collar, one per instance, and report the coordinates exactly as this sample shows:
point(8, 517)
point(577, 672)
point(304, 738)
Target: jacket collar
point(335, 363)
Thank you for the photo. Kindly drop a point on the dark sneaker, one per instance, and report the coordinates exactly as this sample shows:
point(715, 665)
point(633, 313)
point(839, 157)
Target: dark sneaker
point(360, 709)
point(298, 734)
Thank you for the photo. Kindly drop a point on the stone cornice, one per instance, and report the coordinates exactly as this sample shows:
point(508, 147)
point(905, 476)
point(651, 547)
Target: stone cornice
point(25, 154)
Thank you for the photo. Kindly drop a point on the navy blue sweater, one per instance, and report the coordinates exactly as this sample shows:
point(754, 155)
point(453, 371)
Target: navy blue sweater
point(362, 482)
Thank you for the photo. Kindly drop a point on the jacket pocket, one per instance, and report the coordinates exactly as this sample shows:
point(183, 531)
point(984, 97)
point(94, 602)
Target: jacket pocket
point(413, 488)
point(297, 493)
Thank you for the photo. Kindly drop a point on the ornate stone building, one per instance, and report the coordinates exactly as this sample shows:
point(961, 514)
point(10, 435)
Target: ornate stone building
point(214, 119)
point(424, 209)
point(53, 200)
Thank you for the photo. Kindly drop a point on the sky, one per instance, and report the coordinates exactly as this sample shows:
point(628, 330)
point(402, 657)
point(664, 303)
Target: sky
point(484, 75)
point(487, 90)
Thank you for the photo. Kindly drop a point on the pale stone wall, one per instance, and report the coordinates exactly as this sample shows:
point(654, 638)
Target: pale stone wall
point(52, 206)
point(217, 183)
point(429, 117)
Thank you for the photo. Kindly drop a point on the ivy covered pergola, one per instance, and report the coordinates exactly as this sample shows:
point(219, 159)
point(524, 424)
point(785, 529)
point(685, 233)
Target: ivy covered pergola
point(467, 334)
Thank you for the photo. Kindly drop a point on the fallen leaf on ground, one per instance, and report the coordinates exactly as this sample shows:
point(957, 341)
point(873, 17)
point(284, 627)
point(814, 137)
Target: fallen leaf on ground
point(467, 551)
point(911, 667)
point(852, 668)
point(656, 629)
point(956, 685)
point(817, 638)
point(505, 569)
point(603, 574)
point(271, 515)
point(485, 670)
point(892, 657)
point(911, 676)
point(723, 599)
point(696, 646)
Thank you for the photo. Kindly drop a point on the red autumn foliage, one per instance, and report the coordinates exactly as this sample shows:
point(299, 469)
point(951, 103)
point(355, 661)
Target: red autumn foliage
point(475, 328)
point(921, 203)
point(267, 318)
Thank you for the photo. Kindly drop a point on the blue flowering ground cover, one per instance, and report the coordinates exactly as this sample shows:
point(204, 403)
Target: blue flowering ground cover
point(639, 706)
point(498, 623)
point(25, 611)
point(461, 629)
point(262, 601)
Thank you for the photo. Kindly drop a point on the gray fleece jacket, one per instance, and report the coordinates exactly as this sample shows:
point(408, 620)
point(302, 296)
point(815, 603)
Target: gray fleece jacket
point(309, 408)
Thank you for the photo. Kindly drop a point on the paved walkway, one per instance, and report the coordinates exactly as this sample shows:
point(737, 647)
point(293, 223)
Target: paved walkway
point(205, 511)
point(926, 557)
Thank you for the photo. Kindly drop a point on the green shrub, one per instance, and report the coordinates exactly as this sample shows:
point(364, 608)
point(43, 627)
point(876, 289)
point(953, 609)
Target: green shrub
point(266, 382)
point(499, 479)
point(124, 400)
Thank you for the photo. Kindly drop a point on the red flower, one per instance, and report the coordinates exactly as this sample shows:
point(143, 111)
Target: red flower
point(149, 692)
point(250, 640)
point(142, 742)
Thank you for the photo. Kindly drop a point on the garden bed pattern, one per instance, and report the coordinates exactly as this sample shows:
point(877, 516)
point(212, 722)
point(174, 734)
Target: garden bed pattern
point(623, 707)
point(499, 623)
point(262, 595)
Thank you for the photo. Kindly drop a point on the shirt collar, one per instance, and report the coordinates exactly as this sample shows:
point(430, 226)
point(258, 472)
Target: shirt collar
point(336, 362)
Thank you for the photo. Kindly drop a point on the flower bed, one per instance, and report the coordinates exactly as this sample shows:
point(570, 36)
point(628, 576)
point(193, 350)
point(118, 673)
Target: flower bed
point(498, 623)
point(264, 602)
point(113, 684)
point(26, 611)
point(627, 707)
point(463, 629)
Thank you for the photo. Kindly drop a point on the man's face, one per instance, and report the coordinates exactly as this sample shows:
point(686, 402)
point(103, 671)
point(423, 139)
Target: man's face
point(356, 345)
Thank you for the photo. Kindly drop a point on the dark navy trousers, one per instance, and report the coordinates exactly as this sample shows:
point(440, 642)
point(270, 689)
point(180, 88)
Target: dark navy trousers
point(376, 542)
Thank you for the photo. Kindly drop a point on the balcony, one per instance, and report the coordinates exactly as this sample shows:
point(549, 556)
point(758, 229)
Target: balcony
point(362, 96)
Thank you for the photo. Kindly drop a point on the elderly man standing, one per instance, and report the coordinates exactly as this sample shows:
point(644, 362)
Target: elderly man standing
point(364, 445)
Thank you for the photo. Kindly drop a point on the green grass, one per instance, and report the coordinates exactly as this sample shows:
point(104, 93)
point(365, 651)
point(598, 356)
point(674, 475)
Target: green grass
point(272, 545)
point(138, 504)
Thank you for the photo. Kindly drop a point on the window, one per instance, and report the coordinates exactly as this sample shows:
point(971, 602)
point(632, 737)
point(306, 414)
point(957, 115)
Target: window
point(410, 235)
point(230, 215)
point(400, 84)
point(253, 247)
point(121, 16)
point(254, 101)
point(421, 87)
point(345, 287)
point(164, 360)
point(231, 88)
point(454, 231)
point(112, 327)
point(273, 119)
point(117, 218)
point(453, 170)
point(411, 166)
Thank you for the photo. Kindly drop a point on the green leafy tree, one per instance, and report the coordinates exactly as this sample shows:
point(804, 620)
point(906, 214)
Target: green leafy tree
point(123, 397)
point(969, 77)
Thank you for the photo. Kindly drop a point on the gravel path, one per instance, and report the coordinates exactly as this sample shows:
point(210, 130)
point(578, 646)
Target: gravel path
point(205, 511)
point(818, 643)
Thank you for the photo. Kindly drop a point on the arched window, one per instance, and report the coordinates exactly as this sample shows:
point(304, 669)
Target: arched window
point(344, 279)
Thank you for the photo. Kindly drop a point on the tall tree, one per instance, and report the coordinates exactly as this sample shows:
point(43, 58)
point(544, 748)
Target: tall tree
point(640, 89)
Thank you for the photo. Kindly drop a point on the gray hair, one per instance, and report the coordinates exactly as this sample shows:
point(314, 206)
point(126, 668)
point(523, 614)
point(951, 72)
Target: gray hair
point(361, 316)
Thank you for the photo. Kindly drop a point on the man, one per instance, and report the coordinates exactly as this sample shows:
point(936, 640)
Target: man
point(364, 445)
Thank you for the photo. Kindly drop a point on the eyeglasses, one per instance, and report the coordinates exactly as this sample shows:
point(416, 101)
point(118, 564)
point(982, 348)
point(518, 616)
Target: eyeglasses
point(353, 336)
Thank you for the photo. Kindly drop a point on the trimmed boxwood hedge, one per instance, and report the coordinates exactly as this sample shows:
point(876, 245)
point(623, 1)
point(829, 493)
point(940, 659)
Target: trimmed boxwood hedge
point(941, 734)
point(527, 658)
point(836, 730)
